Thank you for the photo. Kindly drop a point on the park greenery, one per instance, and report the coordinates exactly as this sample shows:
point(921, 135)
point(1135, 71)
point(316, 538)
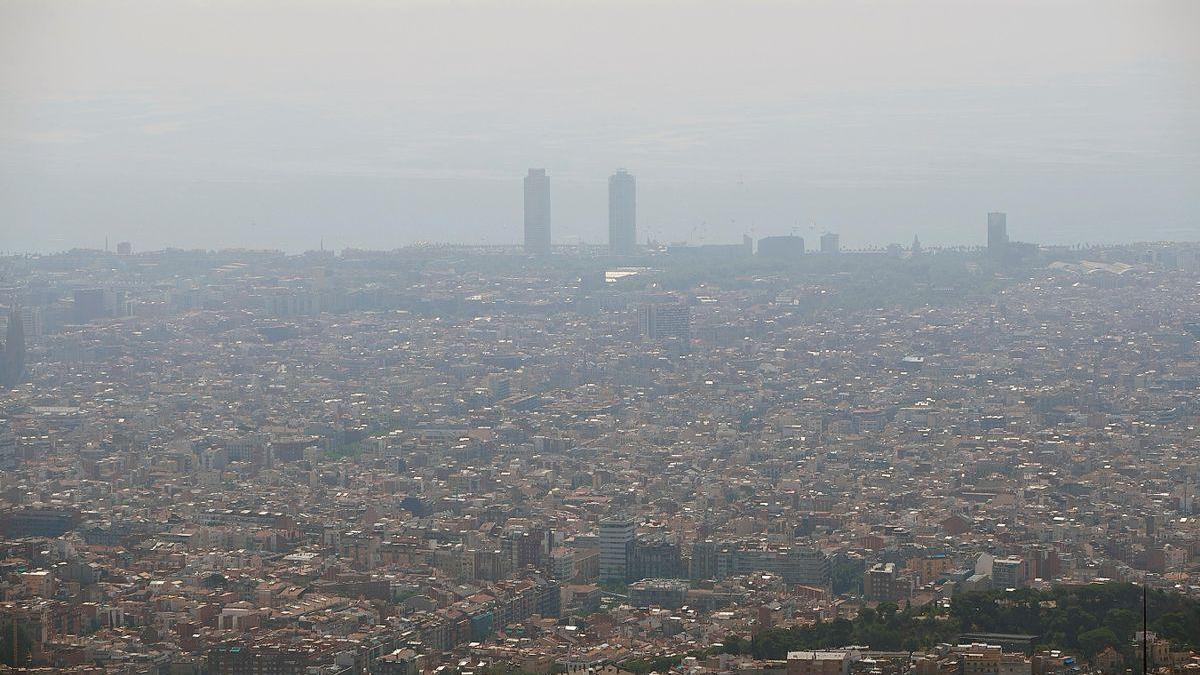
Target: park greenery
point(1083, 620)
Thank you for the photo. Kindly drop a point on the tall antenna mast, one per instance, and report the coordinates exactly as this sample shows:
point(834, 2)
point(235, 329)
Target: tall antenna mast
point(1145, 637)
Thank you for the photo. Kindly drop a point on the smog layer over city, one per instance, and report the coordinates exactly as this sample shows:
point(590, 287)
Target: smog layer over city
point(540, 337)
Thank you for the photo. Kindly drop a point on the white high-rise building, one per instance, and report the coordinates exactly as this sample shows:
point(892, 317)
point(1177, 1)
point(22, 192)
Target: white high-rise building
point(1008, 572)
point(616, 538)
point(537, 212)
point(622, 213)
point(665, 320)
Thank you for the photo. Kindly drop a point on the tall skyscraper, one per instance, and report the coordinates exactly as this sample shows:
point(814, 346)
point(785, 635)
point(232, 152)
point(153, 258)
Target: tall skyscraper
point(997, 233)
point(537, 212)
point(616, 540)
point(622, 213)
point(12, 367)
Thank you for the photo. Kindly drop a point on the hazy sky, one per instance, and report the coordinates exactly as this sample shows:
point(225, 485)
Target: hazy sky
point(377, 124)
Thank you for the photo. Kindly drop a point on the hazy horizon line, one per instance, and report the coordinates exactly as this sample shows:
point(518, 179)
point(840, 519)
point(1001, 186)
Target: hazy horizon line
point(663, 248)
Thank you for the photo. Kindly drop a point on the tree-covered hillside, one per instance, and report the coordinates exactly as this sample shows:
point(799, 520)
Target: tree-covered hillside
point(1079, 619)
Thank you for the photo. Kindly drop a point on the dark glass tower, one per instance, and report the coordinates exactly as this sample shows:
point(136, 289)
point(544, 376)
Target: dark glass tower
point(537, 212)
point(622, 213)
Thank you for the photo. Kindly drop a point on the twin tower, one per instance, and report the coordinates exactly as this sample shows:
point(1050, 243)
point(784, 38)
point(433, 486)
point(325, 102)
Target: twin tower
point(622, 212)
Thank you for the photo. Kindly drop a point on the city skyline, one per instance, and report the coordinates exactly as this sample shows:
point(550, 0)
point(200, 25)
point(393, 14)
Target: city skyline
point(183, 127)
point(538, 236)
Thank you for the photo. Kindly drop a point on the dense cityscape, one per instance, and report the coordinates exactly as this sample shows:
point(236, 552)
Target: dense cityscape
point(751, 458)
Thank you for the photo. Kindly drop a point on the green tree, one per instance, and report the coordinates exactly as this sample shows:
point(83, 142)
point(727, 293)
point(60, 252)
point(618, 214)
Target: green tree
point(887, 611)
point(847, 574)
point(1122, 622)
point(1096, 640)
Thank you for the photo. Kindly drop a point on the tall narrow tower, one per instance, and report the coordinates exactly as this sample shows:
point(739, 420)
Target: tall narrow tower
point(622, 212)
point(997, 234)
point(537, 212)
point(12, 366)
